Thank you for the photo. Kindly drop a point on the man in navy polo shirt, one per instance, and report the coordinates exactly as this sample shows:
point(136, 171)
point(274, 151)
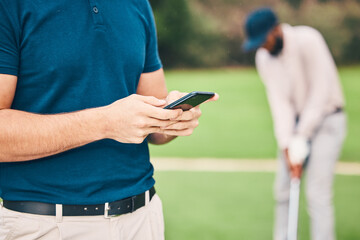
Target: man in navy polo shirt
point(81, 96)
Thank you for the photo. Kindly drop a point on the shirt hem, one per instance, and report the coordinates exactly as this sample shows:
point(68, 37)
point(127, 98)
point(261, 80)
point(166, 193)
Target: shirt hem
point(85, 201)
point(9, 71)
point(152, 68)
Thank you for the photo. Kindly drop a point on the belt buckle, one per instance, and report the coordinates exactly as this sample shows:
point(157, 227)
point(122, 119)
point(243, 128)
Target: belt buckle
point(130, 206)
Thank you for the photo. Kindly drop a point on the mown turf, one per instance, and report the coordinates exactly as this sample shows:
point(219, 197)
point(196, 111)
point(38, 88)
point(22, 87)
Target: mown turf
point(235, 206)
point(239, 125)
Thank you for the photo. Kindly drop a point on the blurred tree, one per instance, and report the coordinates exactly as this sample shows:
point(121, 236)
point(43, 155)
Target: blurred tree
point(208, 33)
point(351, 51)
point(295, 3)
point(174, 28)
point(185, 38)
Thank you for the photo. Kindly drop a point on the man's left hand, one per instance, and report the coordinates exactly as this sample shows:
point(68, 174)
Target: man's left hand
point(188, 120)
point(294, 168)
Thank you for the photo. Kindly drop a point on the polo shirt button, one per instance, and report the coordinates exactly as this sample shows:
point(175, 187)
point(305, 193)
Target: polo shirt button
point(95, 10)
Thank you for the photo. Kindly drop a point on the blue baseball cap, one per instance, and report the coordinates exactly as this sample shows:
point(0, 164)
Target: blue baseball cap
point(257, 26)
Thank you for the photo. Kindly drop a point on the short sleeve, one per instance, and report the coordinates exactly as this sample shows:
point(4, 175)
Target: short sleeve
point(152, 59)
point(9, 50)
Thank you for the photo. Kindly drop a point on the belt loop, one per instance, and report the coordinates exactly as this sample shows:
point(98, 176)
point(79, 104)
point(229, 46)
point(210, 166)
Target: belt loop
point(106, 210)
point(59, 213)
point(147, 197)
point(133, 203)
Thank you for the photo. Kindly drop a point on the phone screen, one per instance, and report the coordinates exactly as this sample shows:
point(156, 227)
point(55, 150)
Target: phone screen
point(190, 100)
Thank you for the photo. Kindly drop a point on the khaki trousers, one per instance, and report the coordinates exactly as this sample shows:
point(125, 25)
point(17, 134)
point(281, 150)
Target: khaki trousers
point(319, 174)
point(146, 223)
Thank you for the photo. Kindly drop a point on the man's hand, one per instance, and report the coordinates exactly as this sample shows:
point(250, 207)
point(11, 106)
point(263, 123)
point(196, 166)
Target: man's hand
point(295, 168)
point(132, 119)
point(299, 150)
point(187, 121)
point(296, 154)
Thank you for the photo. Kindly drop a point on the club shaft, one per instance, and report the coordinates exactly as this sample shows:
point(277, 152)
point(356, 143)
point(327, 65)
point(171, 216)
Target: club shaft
point(293, 209)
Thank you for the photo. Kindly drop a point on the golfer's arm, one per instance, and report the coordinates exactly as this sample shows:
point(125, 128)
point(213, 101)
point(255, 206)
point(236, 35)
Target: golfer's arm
point(321, 69)
point(281, 109)
point(25, 136)
point(153, 84)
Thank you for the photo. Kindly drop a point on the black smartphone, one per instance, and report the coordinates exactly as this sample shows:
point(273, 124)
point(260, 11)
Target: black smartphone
point(190, 100)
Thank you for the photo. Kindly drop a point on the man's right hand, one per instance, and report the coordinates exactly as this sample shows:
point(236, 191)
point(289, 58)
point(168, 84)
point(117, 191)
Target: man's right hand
point(295, 169)
point(132, 119)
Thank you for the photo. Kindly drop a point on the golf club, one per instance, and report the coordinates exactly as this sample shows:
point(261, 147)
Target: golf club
point(293, 208)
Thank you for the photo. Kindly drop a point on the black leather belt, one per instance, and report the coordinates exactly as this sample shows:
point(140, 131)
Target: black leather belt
point(338, 110)
point(119, 207)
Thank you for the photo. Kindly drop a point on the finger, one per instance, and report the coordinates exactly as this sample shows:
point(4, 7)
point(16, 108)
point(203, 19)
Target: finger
point(162, 114)
point(192, 114)
point(185, 132)
point(150, 130)
point(214, 98)
point(171, 132)
point(183, 125)
point(152, 101)
point(146, 122)
point(153, 122)
point(173, 96)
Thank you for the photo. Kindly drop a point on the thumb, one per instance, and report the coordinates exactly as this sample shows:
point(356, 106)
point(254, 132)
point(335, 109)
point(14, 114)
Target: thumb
point(214, 98)
point(153, 101)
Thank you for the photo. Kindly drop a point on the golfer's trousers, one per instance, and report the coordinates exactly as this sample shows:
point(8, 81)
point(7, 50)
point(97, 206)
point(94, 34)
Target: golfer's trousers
point(146, 223)
point(319, 173)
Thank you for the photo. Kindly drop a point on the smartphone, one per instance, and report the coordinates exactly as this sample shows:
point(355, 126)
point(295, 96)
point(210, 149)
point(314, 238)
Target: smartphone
point(190, 100)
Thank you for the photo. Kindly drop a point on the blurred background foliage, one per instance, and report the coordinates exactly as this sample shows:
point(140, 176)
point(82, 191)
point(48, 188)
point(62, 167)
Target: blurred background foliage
point(209, 33)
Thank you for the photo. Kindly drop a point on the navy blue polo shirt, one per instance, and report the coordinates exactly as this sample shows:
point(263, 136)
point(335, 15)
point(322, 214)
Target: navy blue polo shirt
point(68, 56)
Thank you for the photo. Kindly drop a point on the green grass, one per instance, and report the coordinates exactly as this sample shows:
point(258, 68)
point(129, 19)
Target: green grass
point(351, 84)
point(239, 124)
point(233, 206)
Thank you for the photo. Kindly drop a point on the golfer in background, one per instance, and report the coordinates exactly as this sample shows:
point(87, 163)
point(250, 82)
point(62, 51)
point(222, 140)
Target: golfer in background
point(307, 103)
